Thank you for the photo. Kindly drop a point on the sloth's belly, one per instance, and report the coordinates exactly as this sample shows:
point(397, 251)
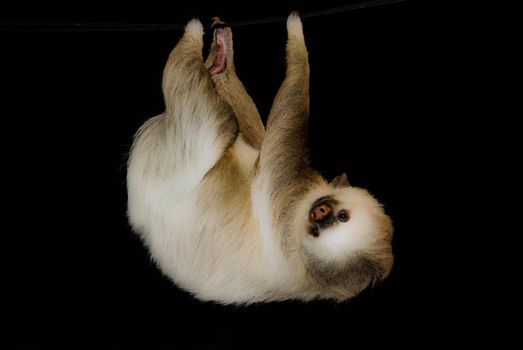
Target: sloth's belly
point(207, 242)
point(210, 244)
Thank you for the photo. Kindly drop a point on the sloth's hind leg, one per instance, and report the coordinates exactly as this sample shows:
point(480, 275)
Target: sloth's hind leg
point(220, 63)
point(173, 152)
point(199, 125)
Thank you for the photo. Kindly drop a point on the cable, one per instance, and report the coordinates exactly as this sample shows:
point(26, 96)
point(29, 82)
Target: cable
point(129, 27)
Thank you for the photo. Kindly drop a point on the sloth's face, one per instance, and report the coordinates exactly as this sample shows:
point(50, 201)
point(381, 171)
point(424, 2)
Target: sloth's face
point(348, 239)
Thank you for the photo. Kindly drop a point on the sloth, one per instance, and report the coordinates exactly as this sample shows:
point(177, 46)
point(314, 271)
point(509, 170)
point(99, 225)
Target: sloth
point(231, 210)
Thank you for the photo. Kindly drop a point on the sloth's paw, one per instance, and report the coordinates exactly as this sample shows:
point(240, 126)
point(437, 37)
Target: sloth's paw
point(220, 51)
point(294, 26)
point(194, 29)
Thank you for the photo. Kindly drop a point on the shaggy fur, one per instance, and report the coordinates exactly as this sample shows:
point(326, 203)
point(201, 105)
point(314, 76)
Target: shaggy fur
point(229, 209)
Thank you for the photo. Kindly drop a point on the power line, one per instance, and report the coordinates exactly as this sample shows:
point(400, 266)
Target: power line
point(140, 27)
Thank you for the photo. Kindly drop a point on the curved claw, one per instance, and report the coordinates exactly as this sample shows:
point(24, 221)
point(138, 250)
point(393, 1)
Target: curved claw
point(217, 23)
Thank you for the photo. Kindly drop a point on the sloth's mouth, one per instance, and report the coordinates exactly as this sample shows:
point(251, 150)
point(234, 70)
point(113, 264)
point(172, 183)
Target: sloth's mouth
point(220, 51)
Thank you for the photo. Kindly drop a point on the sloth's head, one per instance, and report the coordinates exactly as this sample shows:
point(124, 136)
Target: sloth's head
point(347, 246)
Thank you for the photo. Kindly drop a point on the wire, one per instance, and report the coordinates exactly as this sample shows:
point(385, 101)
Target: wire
point(139, 27)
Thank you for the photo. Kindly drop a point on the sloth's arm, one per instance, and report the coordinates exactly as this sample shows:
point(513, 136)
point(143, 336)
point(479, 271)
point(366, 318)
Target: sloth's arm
point(231, 89)
point(283, 157)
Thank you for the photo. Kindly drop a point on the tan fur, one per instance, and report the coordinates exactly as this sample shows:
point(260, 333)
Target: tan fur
point(223, 205)
point(232, 91)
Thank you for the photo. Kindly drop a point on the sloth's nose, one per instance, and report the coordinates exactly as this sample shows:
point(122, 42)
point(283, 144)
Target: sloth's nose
point(320, 212)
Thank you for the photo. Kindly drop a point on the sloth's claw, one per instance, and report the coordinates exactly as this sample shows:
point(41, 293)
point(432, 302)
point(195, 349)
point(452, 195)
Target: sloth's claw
point(217, 22)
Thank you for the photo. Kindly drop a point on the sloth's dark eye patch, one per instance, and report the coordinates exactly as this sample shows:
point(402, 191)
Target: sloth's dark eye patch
point(343, 215)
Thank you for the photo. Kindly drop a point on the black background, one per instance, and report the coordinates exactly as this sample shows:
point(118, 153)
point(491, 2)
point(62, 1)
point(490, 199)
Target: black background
point(419, 103)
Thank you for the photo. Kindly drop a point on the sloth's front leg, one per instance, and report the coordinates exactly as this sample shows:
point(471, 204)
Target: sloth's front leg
point(283, 158)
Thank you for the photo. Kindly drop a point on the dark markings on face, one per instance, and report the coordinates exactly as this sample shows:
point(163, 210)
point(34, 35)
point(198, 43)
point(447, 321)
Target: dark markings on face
point(320, 212)
point(324, 199)
point(323, 214)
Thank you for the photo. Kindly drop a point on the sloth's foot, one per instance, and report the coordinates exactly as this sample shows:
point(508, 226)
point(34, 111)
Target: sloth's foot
point(220, 47)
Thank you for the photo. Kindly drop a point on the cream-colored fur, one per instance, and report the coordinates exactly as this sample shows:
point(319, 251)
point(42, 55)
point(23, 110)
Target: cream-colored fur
point(223, 205)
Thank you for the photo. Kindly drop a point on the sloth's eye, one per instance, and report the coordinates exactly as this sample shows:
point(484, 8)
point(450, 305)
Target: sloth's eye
point(314, 231)
point(343, 215)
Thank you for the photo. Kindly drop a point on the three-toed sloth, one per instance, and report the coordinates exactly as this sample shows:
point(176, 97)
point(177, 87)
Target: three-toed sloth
point(231, 210)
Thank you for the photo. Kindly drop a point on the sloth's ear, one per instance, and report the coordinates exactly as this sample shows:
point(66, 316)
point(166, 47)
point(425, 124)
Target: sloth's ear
point(340, 181)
